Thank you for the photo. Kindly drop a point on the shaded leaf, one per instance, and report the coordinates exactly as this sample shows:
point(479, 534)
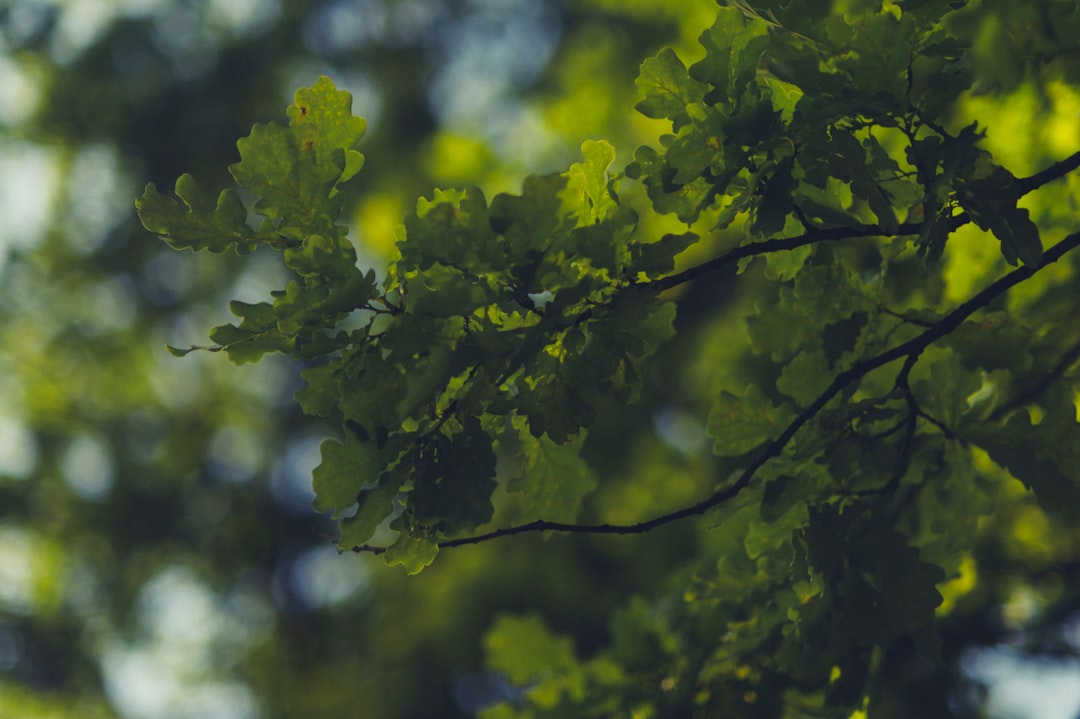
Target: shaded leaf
point(413, 553)
point(656, 259)
point(523, 647)
point(346, 468)
point(740, 424)
point(375, 504)
point(554, 479)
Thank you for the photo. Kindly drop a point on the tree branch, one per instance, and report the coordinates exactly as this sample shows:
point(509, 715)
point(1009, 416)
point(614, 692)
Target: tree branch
point(909, 351)
point(1023, 186)
point(1043, 177)
point(775, 245)
point(1071, 356)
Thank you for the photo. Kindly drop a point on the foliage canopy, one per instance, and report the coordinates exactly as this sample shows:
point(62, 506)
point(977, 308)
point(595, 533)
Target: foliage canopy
point(875, 420)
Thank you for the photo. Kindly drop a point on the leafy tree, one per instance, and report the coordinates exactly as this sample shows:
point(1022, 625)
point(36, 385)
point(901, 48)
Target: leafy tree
point(159, 556)
point(899, 403)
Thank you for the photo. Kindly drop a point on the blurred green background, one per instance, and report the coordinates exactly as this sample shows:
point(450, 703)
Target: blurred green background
point(158, 554)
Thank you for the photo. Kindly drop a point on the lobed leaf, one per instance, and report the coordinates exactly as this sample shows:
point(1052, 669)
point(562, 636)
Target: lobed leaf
point(588, 188)
point(733, 48)
point(657, 259)
point(524, 648)
point(198, 225)
point(554, 479)
point(345, 470)
point(1025, 450)
point(374, 505)
point(323, 117)
point(667, 88)
point(412, 552)
point(741, 424)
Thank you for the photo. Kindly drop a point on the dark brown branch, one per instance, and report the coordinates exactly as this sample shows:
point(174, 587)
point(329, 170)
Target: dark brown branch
point(776, 245)
point(909, 351)
point(1071, 356)
point(1043, 177)
point(813, 235)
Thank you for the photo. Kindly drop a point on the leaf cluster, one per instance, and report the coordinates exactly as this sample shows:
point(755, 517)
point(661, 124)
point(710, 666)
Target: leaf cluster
point(824, 142)
point(501, 324)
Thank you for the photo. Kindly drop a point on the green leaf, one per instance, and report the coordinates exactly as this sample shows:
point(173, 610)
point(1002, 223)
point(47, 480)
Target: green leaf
point(523, 648)
point(780, 495)
point(783, 265)
point(1025, 450)
point(775, 330)
point(733, 48)
point(295, 170)
point(375, 505)
point(346, 468)
point(554, 479)
point(441, 291)
point(322, 257)
point(818, 293)
point(247, 345)
point(825, 538)
point(324, 121)
point(776, 203)
point(605, 244)
point(634, 326)
point(256, 316)
point(320, 396)
point(185, 351)
point(283, 176)
point(370, 392)
point(933, 234)
point(878, 65)
point(806, 376)
point(995, 341)
point(989, 192)
point(945, 391)
point(454, 479)
point(883, 588)
point(1018, 234)
point(784, 96)
point(686, 200)
point(697, 150)
point(430, 375)
point(740, 424)
point(199, 225)
point(907, 586)
point(530, 223)
point(657, 259)
point(639, 321)
point(667, 88)
point(555, 407)
point(587, 188)
point(322, 300)
point(454, 229)
point(411, 552)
